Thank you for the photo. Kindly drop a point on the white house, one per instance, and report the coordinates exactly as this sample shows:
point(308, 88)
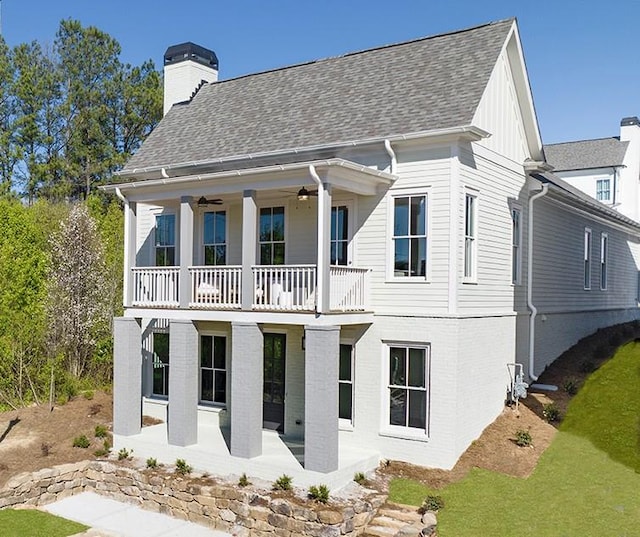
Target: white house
point(335, 262)
point(608, 169)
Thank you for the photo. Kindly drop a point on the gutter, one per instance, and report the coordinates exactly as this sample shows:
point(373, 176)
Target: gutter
point(470, 132)
point(530, 304)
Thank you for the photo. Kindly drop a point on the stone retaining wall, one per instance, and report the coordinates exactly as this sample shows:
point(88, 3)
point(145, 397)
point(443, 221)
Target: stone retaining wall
point(244, 512)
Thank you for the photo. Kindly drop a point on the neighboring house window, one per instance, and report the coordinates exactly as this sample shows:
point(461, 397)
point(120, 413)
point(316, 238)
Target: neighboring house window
point(345, 383)
point(516, 245)
point(603, 190)
point(410, 236)
point(604, 253)
point(213, 369)
point(470, 236)
point(339, 235)
point(272, 236)
point(160, 364)
point(408, 383)
point(165, 240)
point(587, 258)
point(215, 238)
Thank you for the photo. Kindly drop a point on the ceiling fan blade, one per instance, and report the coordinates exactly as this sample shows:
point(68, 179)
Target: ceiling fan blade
point(204, 201)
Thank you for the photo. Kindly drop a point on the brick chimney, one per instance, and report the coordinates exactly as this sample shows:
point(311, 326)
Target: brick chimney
point(186, 67)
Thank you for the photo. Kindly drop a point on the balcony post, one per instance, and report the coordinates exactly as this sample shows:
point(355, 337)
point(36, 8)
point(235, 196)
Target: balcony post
point(129, 251)
point(249, 233)
point(186, 250)
point(324, 247)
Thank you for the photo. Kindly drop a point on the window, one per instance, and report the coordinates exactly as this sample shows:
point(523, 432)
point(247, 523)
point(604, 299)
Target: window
point(165, 240)
point(408, 382)
point(587, 258)
point(160, 364)
point(604, 253)
point(272, 236)
point(213, 369)
point(215, 238)
point(470, 236)
point(410, 236)
point(603, 190)
point(345, 383)
point(339, 235)
point(516, 245)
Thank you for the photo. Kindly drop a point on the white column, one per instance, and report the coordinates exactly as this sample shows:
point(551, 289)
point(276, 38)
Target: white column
point(249, 234)
point(324, 246)
point(129, 251)
point(186, 250)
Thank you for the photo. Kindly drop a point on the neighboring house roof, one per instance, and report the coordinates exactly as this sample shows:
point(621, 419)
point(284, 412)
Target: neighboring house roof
point(586, 154)
point(426, 84)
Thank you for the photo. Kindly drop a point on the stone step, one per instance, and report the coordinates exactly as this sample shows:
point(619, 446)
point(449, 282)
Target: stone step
point(379, 531)
point(388, 522)
point(400, 514)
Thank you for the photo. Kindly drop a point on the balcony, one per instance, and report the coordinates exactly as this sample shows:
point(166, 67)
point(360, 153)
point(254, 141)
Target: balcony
point(286, 288)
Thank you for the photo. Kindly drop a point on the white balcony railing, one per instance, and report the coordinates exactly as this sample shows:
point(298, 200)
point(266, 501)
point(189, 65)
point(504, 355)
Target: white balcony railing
point(284, 287)
point(348, 288)
point(216, 287)
point(155, 286)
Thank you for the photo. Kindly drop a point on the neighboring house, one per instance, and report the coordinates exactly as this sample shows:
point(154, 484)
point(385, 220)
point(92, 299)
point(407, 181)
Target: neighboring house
point(608, 169)
point(338, 251)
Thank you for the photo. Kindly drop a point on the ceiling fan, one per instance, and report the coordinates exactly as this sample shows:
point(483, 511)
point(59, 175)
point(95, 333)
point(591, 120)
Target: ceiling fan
point(304, 194)
point(202, 201)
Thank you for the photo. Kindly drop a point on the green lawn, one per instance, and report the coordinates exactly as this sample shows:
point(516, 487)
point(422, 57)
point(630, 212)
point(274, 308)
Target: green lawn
point(586, 483)
point(31, 523)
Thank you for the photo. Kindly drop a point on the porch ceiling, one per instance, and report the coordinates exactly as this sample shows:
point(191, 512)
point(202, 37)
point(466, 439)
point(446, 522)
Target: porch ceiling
point(344, 174)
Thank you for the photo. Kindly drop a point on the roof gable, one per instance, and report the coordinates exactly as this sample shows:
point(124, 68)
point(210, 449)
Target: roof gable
point(425, 84)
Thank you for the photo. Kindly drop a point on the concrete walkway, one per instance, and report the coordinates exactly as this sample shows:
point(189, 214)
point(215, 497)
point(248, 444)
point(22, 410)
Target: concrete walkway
point(116, 519)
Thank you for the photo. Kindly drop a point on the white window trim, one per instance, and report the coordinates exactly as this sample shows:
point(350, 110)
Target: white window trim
point(152, 395)
point(587, 259)
point(518, 276)
point(200, 239)
point(473, 277)
point(165, 211)
point(266, 205)
point(397, 431)
point(602, 179)
point(604, 261)
point(344, 424)
point(404, 193)
point(215, 333)
point(351, 247)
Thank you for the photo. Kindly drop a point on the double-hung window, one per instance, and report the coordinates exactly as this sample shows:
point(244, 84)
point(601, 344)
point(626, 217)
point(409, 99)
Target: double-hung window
point(603, 190)
point(345, 383)
point(470, 236)
point(160, 364)
point(410, 236)
point(407, 390)
point(339, 235)
point(516, 245)
point(272, 243)
point(587, 258)
point(213, 369)
point(604, 254)
point(215, 238)
point(165, 240)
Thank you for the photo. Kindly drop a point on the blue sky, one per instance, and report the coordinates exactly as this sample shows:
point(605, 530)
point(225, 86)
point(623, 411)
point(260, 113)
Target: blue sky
point(583, 57)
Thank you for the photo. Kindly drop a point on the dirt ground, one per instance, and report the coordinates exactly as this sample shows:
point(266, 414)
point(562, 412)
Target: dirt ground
point(33, 438)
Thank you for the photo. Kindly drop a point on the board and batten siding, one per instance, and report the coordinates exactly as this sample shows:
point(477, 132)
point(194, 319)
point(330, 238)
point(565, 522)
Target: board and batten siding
point(420, 170)
point(498, 185)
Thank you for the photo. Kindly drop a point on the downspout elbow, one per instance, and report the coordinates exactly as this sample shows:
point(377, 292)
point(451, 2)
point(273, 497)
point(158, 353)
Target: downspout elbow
point(530, 304)
point(314, 174)
point(392, 156)
point(120, 195)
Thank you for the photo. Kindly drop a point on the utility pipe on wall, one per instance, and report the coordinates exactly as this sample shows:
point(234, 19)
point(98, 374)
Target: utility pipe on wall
point(531, 306)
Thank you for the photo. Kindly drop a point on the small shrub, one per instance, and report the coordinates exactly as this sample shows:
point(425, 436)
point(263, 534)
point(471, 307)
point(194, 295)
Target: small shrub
point(523, 438)
point(360, 478)
point(432, 503)
point(124, 454)
point(551, 412)
point(88, 395)
point(81, 441)
point(182, 467)
point(244, 481)
point(100, 431)
point(319, 493)
point(570, 386)
point(152, 463)
point(283, 482)
point(101, 452)
point(45, 449)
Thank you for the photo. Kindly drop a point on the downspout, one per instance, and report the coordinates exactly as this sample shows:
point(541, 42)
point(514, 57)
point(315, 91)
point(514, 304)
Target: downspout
point(530, 305)
point(392, 156)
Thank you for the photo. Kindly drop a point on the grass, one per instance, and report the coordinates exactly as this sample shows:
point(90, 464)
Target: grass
point(32, 523)
point(586, 483)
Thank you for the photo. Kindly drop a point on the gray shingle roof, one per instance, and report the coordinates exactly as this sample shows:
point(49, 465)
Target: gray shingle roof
point(430, 83)
point(586, 154)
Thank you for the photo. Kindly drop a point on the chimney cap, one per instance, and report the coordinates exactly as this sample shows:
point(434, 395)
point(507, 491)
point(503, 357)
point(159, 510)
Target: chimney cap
point(190, 51)
point(626, 121)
